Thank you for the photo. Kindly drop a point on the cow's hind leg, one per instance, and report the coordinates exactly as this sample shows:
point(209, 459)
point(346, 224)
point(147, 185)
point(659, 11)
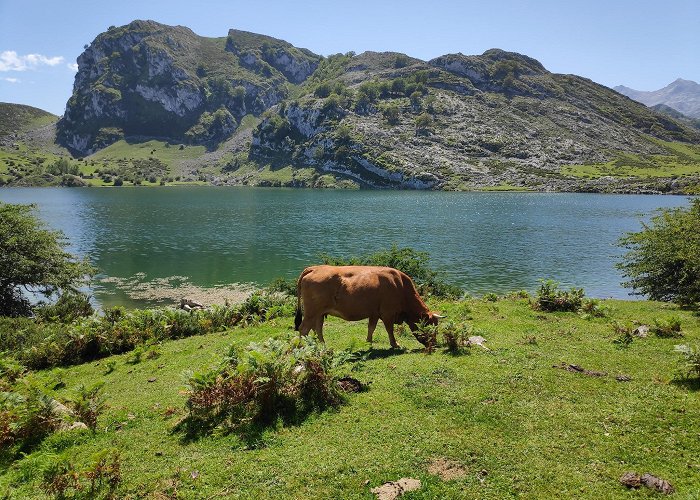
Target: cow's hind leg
point(370, 328)
point(318, 328)
point(390, 330)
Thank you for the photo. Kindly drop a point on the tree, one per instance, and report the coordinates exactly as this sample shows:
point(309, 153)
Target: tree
point(32, 260)
point(663, 260)
point(391, 113)
point(424, 123)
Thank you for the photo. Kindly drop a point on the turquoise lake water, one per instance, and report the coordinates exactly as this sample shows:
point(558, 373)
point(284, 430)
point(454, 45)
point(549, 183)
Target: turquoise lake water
point(208, 236)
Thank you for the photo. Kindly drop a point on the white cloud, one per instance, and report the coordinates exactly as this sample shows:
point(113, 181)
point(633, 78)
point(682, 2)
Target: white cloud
point(73, 67)
point(11, 80)
point(11, 61)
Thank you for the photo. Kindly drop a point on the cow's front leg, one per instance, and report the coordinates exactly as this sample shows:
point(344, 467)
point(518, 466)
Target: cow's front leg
point(370, 328)
point(390, 330)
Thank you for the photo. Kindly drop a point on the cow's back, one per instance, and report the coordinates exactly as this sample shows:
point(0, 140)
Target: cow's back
point(352, 292)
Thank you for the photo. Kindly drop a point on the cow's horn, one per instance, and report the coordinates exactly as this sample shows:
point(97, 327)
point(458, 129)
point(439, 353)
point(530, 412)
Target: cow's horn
point(438, 316)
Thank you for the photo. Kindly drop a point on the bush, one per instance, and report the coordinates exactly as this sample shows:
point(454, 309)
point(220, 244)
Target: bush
point(667, 328)
point(105, 471)
point(407, 260)
point(663, 261)
point(550, 298)
point(88, 404)
point(691, 360)
point(69, 307)
point(256, 385)
point(455, 337)
point(43, 345)
point(26, 418)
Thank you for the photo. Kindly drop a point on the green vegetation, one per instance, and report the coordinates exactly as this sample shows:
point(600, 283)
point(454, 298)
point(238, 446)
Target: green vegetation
point(256, 386)
point(498, 414)
point(680, 160)
point(41, 343)
point(16, 118)
point(663, 259)
point(33, 260)
point(413, 263)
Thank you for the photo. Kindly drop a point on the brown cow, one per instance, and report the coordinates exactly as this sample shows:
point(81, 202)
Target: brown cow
point(358, 292)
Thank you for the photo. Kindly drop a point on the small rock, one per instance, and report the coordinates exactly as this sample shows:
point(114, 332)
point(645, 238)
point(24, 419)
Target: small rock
point(623, 378)
point(152, 379)
point(65, 426)
point(159, 453)
point(641, 331)
point(194, 474)
point(477, 340)
point(394, 489)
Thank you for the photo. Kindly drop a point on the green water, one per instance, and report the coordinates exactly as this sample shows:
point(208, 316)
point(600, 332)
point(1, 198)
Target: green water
point(484, 242)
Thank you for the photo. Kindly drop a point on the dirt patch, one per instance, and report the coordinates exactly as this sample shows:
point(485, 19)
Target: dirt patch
point(446, 469)
point(634, 480)
point(578, 369)
point(349, 384)
point(394, 489)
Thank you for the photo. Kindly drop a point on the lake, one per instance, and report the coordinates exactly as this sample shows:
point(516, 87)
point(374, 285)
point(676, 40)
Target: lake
point(142, 239)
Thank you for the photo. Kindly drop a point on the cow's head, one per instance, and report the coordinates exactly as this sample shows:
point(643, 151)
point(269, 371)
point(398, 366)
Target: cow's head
point(422, 332)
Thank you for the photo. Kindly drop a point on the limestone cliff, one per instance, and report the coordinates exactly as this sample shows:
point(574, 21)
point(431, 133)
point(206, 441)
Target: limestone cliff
point(150, 79)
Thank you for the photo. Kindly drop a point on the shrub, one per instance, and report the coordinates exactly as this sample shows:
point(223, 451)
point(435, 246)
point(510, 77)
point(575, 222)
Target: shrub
point(26, 418)
point(407, 260)
point(42, 345)
point(592, 308)
point(691, 360)
point(663, 261)
point(69, 307)
point(104, 471)
point(490, 297)
point(88, 404)
point(670, 327)
point(625, 336)
point(424, 122)
point(550, 298)
point(391, 113)
point(455, 337)
point(280, 378)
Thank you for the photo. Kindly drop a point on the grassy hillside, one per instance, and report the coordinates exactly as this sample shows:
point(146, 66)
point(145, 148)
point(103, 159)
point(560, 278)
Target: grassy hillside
point(20, 118)
point(511, 422)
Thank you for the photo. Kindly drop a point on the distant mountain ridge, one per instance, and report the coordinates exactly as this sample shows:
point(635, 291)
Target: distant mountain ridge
point(270, 113)
point(681, 95)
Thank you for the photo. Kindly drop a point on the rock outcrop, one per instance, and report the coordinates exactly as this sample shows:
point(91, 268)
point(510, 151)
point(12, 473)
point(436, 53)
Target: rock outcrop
point(149, 79)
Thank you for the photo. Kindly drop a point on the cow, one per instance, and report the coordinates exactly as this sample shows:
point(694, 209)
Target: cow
point(358, 292)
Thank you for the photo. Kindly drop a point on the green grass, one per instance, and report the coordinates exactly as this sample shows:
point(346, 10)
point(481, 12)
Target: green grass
point(537, 431)
point(681, 160)
point(163, 151)
point(504, 187)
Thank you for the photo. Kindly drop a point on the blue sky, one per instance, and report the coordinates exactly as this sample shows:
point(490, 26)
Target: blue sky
point(642, 44)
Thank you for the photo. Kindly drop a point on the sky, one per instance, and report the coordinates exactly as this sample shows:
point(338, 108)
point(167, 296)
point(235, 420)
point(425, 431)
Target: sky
point(642, 44)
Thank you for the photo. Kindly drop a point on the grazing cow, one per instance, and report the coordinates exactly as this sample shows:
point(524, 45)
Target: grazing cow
point(358, 292)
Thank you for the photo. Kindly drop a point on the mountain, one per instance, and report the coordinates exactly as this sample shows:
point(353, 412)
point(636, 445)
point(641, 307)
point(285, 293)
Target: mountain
point(252, 109)
point(150, 79)
point(681, 95)
point(676, 115)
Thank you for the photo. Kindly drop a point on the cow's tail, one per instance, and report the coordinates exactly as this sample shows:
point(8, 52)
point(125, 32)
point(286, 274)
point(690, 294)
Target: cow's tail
point(299, 314)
